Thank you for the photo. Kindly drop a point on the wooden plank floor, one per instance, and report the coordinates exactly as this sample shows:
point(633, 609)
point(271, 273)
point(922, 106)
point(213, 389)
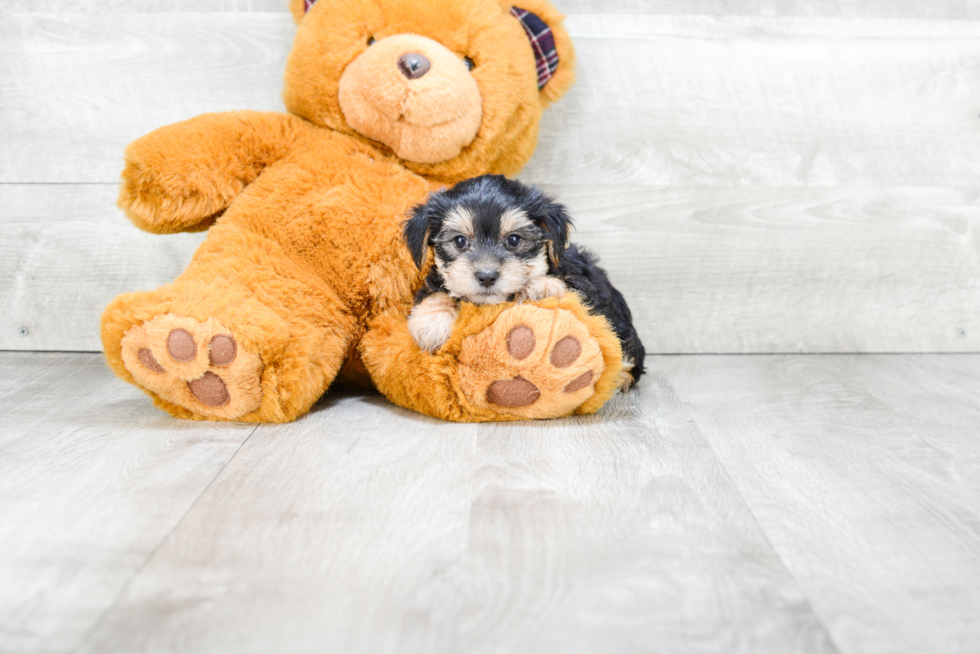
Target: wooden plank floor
point(772, 503)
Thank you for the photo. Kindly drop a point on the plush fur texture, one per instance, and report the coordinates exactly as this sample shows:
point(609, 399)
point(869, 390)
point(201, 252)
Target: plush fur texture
point(303, 263)
point(452, 383)
point(336, 33)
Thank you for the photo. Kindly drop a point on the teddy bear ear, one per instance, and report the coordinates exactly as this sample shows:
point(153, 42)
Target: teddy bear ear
point(553, 51)
point(299, 9)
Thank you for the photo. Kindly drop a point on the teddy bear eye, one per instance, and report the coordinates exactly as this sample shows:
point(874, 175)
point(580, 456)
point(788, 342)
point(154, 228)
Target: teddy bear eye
point(513, 240)
point(470, 64)
point(460, 242)
point(371, 40)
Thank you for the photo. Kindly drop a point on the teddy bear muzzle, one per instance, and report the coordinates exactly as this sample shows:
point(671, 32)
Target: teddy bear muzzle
point(415, 96)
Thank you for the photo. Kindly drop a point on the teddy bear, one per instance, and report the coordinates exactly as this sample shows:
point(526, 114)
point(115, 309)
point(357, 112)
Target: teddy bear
point(303, 280)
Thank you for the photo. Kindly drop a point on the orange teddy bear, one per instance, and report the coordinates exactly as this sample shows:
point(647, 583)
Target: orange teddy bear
point(303, 277)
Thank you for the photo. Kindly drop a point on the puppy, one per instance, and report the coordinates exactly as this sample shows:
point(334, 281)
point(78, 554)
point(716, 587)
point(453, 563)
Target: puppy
point(496, 240)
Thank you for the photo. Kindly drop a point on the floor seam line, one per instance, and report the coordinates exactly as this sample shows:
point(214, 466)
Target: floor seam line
point(150, 556)
point(755, 520)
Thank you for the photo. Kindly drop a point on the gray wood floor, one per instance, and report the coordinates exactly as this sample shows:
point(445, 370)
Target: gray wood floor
point(771, 503)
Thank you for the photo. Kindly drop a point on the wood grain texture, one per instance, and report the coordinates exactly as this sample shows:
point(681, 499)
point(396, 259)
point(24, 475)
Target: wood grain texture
point(65, 252)
point(750, 101)
point(664, 100)
point(338, 533)
point(839, 8)
point(730, 503)
point(757, 176)
point(144, 6)
point(835, 8)
point(790, 269)
point(761, 184)
point(863, 472)
point(92, 478)
point(620, 533)
point(704, 269)
point(364, 528)
point(82, 86)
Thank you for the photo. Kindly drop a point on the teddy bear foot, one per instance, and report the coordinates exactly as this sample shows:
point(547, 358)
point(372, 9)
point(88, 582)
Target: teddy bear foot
point(531, 362)
point(196, 365)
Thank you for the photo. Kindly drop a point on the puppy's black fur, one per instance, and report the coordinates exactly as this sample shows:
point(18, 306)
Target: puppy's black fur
point(580, 271)
point(486, 199)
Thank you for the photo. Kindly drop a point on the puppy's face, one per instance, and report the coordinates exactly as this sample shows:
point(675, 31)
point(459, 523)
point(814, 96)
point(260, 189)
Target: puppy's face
point(490, 237)
point(486, 255)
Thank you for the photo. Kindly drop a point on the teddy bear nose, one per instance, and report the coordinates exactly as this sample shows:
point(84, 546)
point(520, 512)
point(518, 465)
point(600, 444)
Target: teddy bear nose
point(413, 65)
point(487, 277)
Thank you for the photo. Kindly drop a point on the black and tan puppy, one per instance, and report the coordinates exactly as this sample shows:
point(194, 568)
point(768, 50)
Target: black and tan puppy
point(496, 240)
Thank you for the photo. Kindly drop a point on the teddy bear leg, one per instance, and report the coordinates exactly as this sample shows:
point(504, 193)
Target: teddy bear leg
point(544, 359)
point(533, 362)
point(196, 365)
point(210, 347)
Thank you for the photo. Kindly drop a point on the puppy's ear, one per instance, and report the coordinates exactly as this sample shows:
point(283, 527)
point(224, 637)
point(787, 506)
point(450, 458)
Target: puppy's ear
point(556, 223)
point(417, 231)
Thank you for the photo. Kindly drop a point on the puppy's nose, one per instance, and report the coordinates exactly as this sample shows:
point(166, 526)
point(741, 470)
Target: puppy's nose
point(487, 277)
point(413, 65)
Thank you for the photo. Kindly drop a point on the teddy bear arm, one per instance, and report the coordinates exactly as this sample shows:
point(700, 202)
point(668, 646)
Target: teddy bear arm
point(181, 177)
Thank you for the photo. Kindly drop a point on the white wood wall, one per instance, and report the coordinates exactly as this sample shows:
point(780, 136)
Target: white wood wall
point(757, 177)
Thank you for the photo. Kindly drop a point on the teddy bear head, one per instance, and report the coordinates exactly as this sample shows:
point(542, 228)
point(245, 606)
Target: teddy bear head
point(453, 88)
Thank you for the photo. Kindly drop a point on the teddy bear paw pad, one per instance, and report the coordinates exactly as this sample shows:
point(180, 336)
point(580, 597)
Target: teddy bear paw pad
point(197, 365)
point(531, 362)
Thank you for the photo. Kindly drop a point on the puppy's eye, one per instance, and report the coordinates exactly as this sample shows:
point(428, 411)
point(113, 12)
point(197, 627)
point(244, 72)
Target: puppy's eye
point(513, 241)
point(460, 242)
point(371, 40)
point(470, 64)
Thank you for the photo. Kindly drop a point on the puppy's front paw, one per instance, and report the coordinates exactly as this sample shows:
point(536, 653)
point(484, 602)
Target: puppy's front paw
point(626, 378)
point(543, 287)
point(431, 321)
